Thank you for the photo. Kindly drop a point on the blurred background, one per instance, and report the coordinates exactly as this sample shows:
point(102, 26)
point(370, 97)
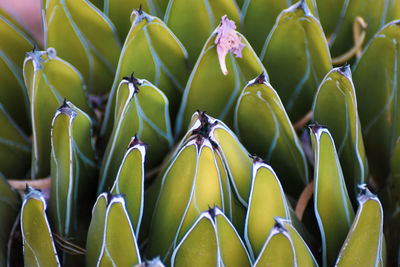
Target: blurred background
point(27, 13)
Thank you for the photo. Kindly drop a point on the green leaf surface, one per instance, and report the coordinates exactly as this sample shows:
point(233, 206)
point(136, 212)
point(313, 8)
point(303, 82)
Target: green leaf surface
point(13, 94)
point(265, 129)
point(45, 77)
point(363, 245)
point(88, 40)
point(73, 170)
point(9, 208)
point(142, 110)
point(332, 205)
point(39, 249)
point(211, 241)
point(194, 171)
point(130, 182)
point(378, 108)
point(153, 53)
point(277, 250)
point(297, 57)
point(15, 148)
point(209, 89)
point(193, 21)
point(373, 12)
point(119, 246)
point(335, 106)
point(266, 201)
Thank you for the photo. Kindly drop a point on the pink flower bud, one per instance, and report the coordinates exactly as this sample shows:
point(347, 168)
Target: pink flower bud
point(227, 40)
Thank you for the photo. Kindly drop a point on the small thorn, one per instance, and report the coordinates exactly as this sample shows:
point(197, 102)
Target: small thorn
point(140, 10)
point(133, 80)
point(260, 79)
point(212, 212)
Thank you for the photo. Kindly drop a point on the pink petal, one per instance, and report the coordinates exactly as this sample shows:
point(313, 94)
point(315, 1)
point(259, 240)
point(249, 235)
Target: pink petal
point(227, 40)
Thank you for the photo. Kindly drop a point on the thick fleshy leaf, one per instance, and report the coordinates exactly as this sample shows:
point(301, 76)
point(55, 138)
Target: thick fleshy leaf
point(278, 249)
point(13, 94)
point(49, 80)
point(9, 208)
point(379, 110)
point(211, 241)
point(234, 156)
point(285, 247)
point(363, 245)
point(297, 57)
point(73, 172)
point(259, 17)
point(130, 181)
point(391, 202)
point(218, 97)
point(39, 249)
point(87, 40)
point(373, 12)
point(15, 148)
point(194, 172)
point(331, 14)
point(120, 11)
point(142, 110)
point(335, 106)
point(266, 201)
point(304, 256)
point(96, 229)
point(392, 10)
point(154, 53)
point(193, 21)
point(265, 129)
point(332, 205)
point(119, 246)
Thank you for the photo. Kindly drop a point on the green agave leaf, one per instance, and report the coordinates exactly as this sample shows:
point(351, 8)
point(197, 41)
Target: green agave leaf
point(230, 151)
point(193, 21)
point(373, 12)
point(190, 184)
point(73, 172)
point(279, 145)
point(266, 201)
point(331, 14)
point(119, 12)
point(378, 109)
point(297, 57)
point(39, 249)
point(87, 40)
point(391, 202)
point(285, 247)
point(199, 94)
point(211, 241)
point(335, 106)
point(392, 10)
point(304, 257)
point(130, 181)
point(363, 245)
point(49, 80)
point(154, 53)
point(278, 249)
point(119, 246)
point(13, 94)
point(96, 229)
point(15, 148)
point(332, 205)
point(141, 109)
point(9, 208)
point(260, 12)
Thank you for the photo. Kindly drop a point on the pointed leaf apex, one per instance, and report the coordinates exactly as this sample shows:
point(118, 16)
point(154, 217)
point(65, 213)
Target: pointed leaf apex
point(260, 79)
point(302, 5)
point(345, 70)
point(315, 127)
point(227, 40)
point(132, 80)
point(365, 193)
point(213, 212)
point(136, 141)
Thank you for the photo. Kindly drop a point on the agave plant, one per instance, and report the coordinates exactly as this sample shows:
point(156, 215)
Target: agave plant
point(201, 133)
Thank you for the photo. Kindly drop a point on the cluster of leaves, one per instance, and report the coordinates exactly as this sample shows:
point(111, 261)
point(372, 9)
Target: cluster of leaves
point(102, 111)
